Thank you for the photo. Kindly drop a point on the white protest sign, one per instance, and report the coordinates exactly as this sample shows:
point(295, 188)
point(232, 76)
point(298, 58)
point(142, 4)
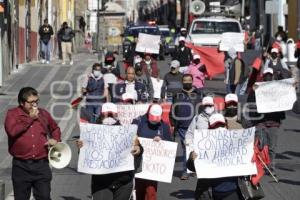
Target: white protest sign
point(275, 96)
point(224, 153)
point(157, 85)
point(126, 113)
point(106, 149)
point(232, 40)
point(158, 160)
point(148, 43)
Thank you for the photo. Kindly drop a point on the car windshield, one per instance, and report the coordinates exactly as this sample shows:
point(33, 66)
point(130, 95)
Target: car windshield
point(134, 31)
point(207, 27)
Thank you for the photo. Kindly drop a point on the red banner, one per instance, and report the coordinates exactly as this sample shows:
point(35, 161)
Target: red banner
point(211, 57)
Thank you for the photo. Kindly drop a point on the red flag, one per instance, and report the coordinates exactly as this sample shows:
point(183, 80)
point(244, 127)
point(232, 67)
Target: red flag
point(298, 44)
point(211, 57)
point(76, 102)
point(257, 63)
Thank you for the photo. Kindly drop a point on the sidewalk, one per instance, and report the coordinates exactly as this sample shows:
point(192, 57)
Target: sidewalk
point(57, 86)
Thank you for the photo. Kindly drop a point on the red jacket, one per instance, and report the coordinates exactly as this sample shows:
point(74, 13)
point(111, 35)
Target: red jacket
point(27, 136)
point(154, 68)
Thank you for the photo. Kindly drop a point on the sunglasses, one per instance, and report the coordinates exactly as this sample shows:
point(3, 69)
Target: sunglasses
point(33, 102)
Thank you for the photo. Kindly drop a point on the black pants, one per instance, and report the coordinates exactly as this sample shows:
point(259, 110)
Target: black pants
point(29, 174)
point(122, 192)
point(234, 195)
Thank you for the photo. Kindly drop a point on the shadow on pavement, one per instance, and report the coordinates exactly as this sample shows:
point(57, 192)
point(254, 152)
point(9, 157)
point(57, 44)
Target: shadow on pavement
point(70, 198)
point(282, 156)
point(289, 182)
point(292, 153)
point(292, 130)
point(183, 194)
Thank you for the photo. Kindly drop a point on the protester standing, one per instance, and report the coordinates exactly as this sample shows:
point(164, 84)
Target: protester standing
point(183, 54)
point(172, 82)
point(150, 126)
point(184, 108)
point(95, 90)
point(119, 185)
point(149, 65)
point(197, 69)
point(30, 131)
point(130, 85)
point(45, 32)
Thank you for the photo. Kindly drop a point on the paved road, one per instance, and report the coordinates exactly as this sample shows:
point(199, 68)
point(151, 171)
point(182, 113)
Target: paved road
point(67, 184)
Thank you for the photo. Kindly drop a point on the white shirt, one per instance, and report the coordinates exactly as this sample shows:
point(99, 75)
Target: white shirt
point(157, 84)
point(130, 88)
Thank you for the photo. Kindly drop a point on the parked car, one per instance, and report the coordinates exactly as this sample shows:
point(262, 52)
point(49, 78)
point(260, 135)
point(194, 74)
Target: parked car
point(207, 31)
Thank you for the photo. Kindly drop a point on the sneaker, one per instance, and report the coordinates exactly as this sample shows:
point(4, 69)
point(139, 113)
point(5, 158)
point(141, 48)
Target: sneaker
point(71, 62)
point(63, 63)
point(47, 62)
point(43, 61)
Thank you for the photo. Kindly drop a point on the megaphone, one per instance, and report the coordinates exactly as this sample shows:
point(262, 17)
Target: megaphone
point(197, 7)
point(60, 155)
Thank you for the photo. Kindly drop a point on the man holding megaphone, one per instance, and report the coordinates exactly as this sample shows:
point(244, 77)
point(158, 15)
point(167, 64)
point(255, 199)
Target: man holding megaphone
point(30, 130)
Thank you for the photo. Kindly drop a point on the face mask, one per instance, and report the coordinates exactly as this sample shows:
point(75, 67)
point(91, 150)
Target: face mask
point(274, 55)
point(153, 123)
point(209, 110)
point(197, 61)
point(268, 77)
point(187, 86)
point(278, 38)
point(147, 62)
point(231, 112)
point(173, 70)
point(97, 73)
point(109, 121)
point(181, 44)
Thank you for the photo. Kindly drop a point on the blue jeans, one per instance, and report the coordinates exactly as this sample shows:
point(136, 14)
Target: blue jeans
point(241, 88)
point(230, 88)
point(46, 49)
point(181, 133)
point(94, 109)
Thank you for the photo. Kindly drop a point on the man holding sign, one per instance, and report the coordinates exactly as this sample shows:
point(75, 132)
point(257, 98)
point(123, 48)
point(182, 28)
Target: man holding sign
point(107, 185)
point(150, 126)
point(210, 164)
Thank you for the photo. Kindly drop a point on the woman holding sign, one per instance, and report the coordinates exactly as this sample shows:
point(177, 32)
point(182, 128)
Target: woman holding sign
point(114, 186)
point(151, 125)
point(225, 188)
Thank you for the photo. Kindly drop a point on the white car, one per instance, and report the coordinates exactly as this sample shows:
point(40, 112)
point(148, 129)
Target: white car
point(207, 31)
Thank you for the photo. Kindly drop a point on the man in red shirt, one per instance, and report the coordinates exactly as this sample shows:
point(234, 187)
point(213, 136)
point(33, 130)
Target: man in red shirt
point(30, 131)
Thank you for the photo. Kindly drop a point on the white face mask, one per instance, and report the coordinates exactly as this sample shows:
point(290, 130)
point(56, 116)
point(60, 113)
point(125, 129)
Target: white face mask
point(96, 73)
point(209, 110)
point(109, 121)
point(278, 38)
point(147, 62)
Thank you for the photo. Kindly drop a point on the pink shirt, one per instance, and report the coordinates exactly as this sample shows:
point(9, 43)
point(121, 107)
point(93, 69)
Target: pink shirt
point(198, 77)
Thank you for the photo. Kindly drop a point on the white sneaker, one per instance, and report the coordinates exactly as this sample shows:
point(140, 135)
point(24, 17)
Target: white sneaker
point(47, 62)
point(43, 61)
point(63, 63)
point(71, 62)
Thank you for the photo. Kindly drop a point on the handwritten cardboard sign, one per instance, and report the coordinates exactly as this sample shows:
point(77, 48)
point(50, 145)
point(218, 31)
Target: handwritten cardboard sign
point(158, 160)
point(148, 43)
point(126, 113)
point(232, 40)
point(106, 149)
point(224, 153)
point(275, 96)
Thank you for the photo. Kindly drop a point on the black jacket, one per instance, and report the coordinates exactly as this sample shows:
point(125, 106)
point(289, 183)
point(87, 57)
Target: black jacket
point(45, 32)
point(184, 57)
point(66, 34)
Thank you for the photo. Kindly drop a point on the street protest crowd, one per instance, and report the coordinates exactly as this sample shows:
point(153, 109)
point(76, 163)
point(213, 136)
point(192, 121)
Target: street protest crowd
point(129, 123)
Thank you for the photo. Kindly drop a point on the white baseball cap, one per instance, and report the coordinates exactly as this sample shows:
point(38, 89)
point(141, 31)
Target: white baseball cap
point(196, 56)
point(231, 98)
point(216, 118)
point(181, 38)
point(208, 101)
point(155, 113)
point(268, 70)
point(109, 108)
point(175, 64)
point(274, 50)
point(183, 29)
